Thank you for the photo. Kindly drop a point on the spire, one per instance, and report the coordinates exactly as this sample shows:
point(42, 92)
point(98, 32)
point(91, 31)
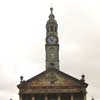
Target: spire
point(51, 16)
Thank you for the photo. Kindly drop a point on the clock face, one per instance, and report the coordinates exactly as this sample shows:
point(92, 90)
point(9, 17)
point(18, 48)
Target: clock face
point(52, 40)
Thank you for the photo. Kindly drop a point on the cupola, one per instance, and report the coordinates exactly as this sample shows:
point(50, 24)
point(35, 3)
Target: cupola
point(51, 25)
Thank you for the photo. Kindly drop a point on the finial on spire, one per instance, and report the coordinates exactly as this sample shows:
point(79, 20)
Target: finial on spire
point(51, 16)
point(51, 10)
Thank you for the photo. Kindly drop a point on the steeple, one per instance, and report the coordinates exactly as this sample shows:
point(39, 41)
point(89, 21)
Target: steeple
point(52, 46)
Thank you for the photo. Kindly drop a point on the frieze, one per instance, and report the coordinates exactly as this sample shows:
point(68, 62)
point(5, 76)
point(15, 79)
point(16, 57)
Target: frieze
point(51, 82)
point(51, 87)
point(51, 91)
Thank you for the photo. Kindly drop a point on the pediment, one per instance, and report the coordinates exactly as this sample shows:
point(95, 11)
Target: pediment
point(53, 78)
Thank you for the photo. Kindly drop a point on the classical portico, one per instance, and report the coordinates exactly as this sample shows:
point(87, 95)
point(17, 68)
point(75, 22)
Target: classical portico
point(52, 84)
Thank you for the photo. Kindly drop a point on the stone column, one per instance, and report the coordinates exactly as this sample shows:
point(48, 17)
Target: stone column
point(59, 97)
point(46, 97)
point(71, 97)
point(33, 97)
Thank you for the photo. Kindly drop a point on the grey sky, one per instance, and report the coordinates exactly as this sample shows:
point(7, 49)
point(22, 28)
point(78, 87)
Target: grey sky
point(22, 41)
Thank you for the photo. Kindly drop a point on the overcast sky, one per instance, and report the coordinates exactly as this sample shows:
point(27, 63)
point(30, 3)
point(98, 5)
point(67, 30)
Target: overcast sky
point(22, 41)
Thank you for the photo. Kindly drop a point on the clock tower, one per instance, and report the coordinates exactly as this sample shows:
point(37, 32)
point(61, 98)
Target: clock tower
point(52, 46)
point(52, 84)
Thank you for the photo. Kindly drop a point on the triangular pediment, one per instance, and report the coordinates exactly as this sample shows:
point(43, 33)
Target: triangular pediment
point(53, 78)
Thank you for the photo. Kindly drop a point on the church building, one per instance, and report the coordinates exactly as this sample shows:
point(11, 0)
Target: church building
point(52, 84)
